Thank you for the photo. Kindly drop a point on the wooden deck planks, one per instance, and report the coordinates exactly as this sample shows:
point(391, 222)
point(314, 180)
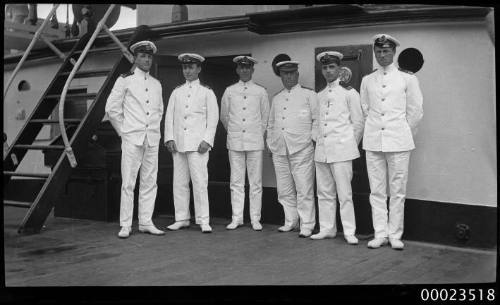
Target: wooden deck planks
point(73, 252)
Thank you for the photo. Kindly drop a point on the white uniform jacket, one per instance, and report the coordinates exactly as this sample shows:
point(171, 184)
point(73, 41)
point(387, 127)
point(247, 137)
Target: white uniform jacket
point(392, 104)
point(192, 116)
point(292, 120)
point(135, 107)
point(340, 124)
point(244, 113)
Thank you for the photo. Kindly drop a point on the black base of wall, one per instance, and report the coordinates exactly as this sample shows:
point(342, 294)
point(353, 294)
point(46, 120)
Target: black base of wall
point(436, 222)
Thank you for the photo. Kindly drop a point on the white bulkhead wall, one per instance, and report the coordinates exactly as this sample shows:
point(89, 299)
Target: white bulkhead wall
point(148, 14)
point(455, 159)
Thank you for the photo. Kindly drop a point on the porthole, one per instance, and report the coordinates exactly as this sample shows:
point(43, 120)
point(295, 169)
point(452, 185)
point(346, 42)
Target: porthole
point(23, 86)
point(411, 59)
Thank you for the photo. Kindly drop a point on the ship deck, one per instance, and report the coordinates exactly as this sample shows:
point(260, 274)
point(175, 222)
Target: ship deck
point(72, 252)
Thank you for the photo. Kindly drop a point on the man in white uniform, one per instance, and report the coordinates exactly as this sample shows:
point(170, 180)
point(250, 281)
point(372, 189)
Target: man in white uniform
point(135, 109)
point(291, 129)
point(244, 113)
point(392, 104)
point(190, 123)
point(340, 128)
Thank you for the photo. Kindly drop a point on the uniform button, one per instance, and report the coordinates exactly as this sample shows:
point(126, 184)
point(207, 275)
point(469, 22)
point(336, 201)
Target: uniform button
point(185, 117)
point(326, 113)
point(147, 102)
point(145, 78)
point(243, 130)
point(187, 106)
point(287, 99)
point(383, 128)
point(147, 125)
point(326, 124)
point(383, 114)
point(245, 97)
point(189, 95)
point(385, 73)
point(282, 128)
point(147, 113)
point(146, 89)
point(190, 87)
point(383, 86)
point(383, 99)
point(244, 120)
point(245, 88)
point(185, 128)
point(244, 108)
point(284, 108)
point(324, 136)
point(283, 118)
point(330, 90)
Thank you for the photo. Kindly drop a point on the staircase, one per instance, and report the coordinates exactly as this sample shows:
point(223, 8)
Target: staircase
point(79, 131)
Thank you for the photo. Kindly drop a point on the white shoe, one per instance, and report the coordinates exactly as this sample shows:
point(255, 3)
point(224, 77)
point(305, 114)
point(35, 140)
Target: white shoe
point(351, 239)
point(125, 232)
point(178, 225)
point(287, 228)
point(151, 229)
point(377, 242)
point(206, 228)
point(256, 226)
point(396, 244)
point(305, 232)
point(233, 225)
point(323, 235)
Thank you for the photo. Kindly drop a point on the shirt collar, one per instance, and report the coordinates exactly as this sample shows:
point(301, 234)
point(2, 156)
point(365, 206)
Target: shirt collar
point(194, 83)
point(388, 68)
point(293, 88)
point(139, 72)
point(242, 83)
point(335, 83)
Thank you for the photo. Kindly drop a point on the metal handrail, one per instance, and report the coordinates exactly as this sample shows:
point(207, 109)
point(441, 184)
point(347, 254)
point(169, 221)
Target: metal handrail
point(30, 46)
point(101, 24)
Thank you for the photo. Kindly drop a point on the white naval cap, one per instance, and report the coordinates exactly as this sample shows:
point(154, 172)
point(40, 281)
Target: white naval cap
point(385, 41)
point(288, 65)
point(329, 57)
point(245, 60)
point(144, 46)
point(190, 58)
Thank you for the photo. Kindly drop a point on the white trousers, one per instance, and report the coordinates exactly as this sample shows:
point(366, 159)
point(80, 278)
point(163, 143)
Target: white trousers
point(295, 185)
point(241, 161)
point(332, 179)
point(382, 166)
point(145, 158)
point(191, 166)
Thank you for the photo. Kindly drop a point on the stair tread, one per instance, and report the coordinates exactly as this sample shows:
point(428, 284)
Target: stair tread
point(31, 146)
point(102, 49)
point(49, 121)
point(15, 203)
point(93, 94)
point(87, 72)
point(25, 174)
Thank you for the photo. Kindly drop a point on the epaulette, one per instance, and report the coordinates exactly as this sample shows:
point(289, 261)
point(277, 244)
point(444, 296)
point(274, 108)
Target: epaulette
point(179, 86)
point(307, 88)
point(127, 74)
point(260, 85)
point(279, 92)
point(204, 85)
point(405, 71)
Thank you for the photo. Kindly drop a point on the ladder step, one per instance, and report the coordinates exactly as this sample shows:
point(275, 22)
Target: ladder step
point(47, 121)
point(20, 174)
point(76, 95)
point(19, 204)
point(39, 147)
point(99, 50)
point(88, 73)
